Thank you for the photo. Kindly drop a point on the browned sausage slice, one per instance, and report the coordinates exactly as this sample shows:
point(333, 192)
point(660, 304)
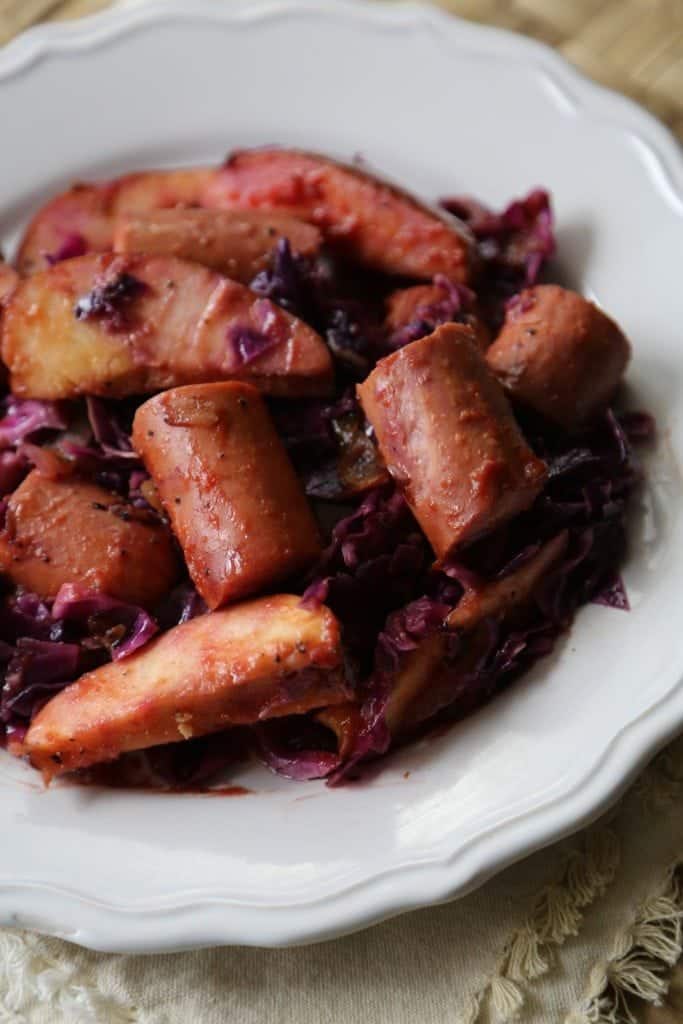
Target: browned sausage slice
point(60, 531)
point(230, 491)
point(559, 354)
point(120, 325)
point(262, 659)
point(373, 222)
point(236, 243)
point(81, 219)
point(449, 438)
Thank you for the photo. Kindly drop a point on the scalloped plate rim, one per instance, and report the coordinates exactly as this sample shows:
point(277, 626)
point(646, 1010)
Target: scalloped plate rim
point(110, 927)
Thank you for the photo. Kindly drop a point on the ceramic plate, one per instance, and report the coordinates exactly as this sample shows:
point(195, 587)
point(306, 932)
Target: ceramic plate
point(444, 106)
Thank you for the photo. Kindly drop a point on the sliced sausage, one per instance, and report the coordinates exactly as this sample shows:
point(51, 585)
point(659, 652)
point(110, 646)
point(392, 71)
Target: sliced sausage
point(422, 307)
point(371, 221)
point(120, 325)
point(262, 659)
point(230, 491)
point(60, 531)
point(559, 354)
point(449, 438)
point(82, 219)
point(234, 242)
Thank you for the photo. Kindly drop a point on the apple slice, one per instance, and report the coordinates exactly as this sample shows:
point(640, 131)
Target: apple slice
point(117, 325)
point(261, 659)
point(82, 219)
point(368, 219)
point(416, 692)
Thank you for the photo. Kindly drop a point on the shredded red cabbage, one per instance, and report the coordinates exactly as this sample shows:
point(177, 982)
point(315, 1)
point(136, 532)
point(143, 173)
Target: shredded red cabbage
point(25, 417)
point(587, 495)
point(296, 748)
point(121, 628)
point(325, 294)
point(110, 302)
point(514, 245)
point(73, 245)
point(456, 301)
point(248, 344)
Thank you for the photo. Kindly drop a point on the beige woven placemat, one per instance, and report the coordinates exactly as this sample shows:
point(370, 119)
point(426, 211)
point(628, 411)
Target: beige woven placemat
point(583, 933)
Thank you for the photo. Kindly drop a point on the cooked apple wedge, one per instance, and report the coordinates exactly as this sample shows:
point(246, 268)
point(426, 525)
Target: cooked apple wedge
point(502, 597)
point(237, 243)
point(117, 325)
point(262, 659)
point(415, 695)
point(82, 219)
point(371, 221)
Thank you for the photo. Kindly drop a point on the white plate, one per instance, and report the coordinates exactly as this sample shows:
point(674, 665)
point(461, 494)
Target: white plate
point(447, 107)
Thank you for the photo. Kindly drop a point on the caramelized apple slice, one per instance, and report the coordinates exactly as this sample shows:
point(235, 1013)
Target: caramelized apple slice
point(262, 659)
point(124, 325)
point(416, 689)
point(371, 221)
point(82, 219)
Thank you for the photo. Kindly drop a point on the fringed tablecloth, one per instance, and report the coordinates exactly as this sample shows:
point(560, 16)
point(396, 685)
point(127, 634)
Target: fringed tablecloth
point(588, 931)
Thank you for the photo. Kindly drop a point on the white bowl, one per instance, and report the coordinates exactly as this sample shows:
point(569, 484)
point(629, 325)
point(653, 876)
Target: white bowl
point(447, 107)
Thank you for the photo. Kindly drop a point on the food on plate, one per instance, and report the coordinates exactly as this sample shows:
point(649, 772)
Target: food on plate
point(377, 223)
point(559, 354)
point(9, 279)
point(228, 488)
point(510, 593)
point(82, 219)
point(443, 654)
point(356, 466)
point(261, 659)
point(116, 325)
point(284, 374)
point(371, 221)
point(58, 531)
point(420, 309)
point(237, 243)
point(449, 438)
